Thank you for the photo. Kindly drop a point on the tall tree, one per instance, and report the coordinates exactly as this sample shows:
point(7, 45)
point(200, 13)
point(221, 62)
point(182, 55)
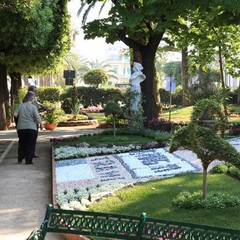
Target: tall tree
point(141, 27)
point(34, 40)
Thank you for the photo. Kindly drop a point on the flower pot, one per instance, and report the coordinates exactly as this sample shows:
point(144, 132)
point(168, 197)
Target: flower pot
point(50, 126)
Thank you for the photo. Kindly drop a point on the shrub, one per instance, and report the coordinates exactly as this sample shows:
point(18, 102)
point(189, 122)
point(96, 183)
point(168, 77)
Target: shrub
point(89, 96)
point(164, 125)
point(163, 138)
point(234, 171)
point(220, 168)
point(195, 201)
point(51, 94)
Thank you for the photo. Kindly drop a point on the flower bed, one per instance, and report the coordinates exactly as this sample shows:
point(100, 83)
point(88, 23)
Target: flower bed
point(82, 180)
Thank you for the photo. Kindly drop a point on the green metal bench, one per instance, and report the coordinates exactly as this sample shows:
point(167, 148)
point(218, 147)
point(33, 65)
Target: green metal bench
point(116, 226)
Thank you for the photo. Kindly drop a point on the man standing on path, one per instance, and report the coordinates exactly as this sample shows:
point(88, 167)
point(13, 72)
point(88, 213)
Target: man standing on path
point(40, 108)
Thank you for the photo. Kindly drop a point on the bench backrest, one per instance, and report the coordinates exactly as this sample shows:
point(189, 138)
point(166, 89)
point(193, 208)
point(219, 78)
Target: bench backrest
point(117, 226)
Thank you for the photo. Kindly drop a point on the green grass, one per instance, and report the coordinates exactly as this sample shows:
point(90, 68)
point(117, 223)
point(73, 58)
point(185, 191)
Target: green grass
point(98, 116)
point(179, 114)
point(183, 114)
point(154, 198)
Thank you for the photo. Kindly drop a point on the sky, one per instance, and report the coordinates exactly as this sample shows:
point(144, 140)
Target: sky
point(96, 48)
point(89, 49)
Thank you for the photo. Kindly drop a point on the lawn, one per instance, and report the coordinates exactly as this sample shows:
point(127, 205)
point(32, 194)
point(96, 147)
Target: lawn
point(179, 114)
point(155, 197)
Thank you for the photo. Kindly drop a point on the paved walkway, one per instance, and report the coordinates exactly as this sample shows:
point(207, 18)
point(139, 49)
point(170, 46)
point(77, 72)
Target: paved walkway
point(26, 189)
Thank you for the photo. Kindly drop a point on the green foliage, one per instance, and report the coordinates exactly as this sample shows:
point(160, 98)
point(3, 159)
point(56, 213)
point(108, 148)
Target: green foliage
point(207, 109)
point(112, 108)
point(75, 107)
point(135, 117)
point(44, 30)
point(220, 169)
point(21, 94)
point(163, 138)
point(195, 201)
point(234, 171)
point(203, 141)
point(173, 69)
point(53, 113)
point(95, 77)
point(51, 94)
point(93, 96)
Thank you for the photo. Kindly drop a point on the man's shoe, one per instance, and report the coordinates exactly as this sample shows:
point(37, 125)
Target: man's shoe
point(36, 155)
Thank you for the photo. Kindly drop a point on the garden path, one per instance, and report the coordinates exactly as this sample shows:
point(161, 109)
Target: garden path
point(26, 189)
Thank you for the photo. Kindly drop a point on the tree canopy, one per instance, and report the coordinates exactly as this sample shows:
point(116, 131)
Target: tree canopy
point(34, 36)
point(142, 28)
point(95, 77)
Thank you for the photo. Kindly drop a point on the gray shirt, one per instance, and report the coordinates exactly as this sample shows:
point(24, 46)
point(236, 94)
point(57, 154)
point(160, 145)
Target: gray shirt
point(28, 116)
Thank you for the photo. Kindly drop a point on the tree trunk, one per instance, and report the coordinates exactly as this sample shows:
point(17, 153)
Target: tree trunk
point(238, 97)
point(16, 84)
point(3, 96)
point(157, 105)
point(204, 183)
point(223, 87)
point(147, 86)
point(147, 56)
point(185, 77)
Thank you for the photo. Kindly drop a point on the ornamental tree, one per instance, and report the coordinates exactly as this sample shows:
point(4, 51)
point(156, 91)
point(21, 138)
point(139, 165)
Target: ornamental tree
point(203, 141)
point(95, 77)
point(113, 109)
point(208, 147)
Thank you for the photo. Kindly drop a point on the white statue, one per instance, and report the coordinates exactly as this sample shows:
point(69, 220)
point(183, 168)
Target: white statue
point(136, 78)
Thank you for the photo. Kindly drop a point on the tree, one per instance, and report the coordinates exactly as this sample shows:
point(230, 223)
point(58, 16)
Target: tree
point(95, 77)
point(207, 146)
point(141, 27)
point(114, 110)
point(89, 65)
point(43, 27)
point(203, 141)
point(212, 38)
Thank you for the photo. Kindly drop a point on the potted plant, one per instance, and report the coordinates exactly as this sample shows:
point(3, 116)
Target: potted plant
point(50, 119)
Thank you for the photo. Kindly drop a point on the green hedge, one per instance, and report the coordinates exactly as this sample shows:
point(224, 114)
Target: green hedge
point(93, 96)
point(51, 94)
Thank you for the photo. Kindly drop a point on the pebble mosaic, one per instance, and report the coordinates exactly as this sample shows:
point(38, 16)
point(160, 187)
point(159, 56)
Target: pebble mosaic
point(125, 167)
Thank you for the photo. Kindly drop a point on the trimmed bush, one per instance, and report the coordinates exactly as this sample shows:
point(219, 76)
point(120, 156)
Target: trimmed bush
point(220, 169)
point(195, 200)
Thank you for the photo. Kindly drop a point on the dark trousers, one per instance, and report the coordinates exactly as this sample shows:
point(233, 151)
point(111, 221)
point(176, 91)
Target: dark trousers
point(26, 144)
point(35, 141)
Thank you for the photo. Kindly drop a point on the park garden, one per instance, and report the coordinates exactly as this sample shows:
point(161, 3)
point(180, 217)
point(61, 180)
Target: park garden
point(211, 193)
point(201, 115)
